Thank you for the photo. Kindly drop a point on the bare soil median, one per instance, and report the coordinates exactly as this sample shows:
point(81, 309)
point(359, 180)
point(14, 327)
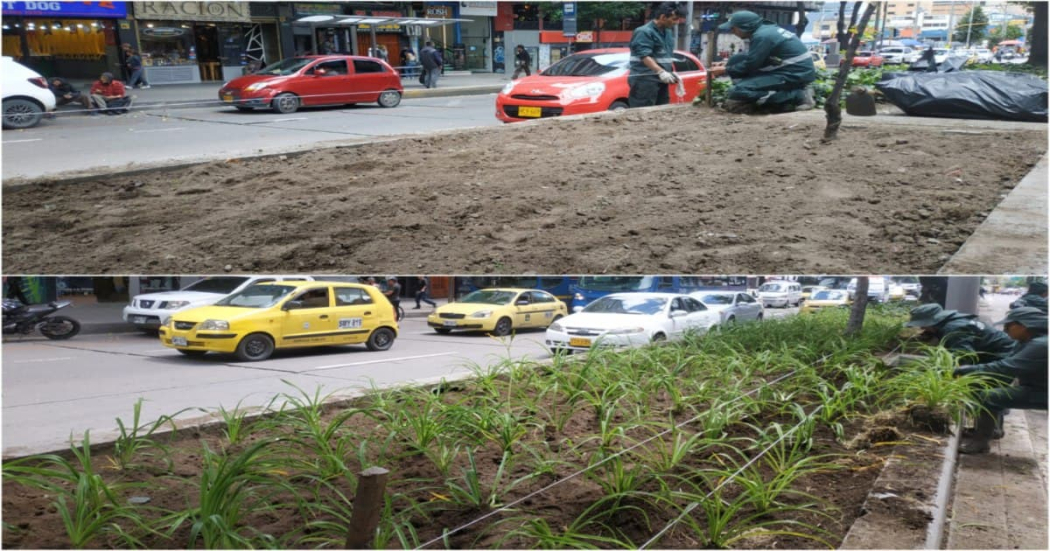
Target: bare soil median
point(683, 190)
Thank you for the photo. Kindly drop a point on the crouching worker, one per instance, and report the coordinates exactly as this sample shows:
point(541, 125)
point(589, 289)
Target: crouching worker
point(1028, 364)
point(775, 72)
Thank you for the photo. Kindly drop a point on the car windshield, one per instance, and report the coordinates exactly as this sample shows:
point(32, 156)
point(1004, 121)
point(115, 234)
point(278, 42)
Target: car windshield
point(219, 285)
point(643, 306)
point(829, 295)
point(285, 66)
point(587, 65)
point(615, 283)
point(716, 299)
point(489, 297)
point(257, 296)
point(771, 288)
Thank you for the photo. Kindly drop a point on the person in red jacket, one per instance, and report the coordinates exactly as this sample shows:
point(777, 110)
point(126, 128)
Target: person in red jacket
point(109, 95)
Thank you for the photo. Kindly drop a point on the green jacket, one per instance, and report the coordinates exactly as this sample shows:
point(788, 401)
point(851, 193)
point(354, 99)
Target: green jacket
point(1035, 301)
point(773, 50)
point(965, 333)
point(649, 41)
point(1028, 364)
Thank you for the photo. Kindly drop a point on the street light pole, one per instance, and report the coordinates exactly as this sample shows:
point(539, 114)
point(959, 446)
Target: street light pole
point(951, 25)
point(969, 28)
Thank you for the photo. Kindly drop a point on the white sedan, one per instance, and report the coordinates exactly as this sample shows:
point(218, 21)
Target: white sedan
point(731, 306)
point(631, 319)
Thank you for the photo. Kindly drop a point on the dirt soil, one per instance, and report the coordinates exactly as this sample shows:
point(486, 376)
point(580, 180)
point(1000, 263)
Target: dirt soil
point(682, 190)
point(31, 518)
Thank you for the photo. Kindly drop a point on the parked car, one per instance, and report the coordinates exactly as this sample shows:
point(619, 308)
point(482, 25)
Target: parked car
point(26, 96)
point(310, 81)
point(878, 289)
point(731, 307)
point(818, 61)
point(898, 54)
point(264, 317)
point(983, 55)
point(780, 293)
point(499, 311)
point(587, 82)
point(826, 298)
point(867, 58)
point(591, 288)
point(149, 311)
point(630, 319)
point(808, 290)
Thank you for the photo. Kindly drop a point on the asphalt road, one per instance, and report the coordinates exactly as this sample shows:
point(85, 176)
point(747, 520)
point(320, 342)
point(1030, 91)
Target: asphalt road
point(52, 390)
point(74, 142)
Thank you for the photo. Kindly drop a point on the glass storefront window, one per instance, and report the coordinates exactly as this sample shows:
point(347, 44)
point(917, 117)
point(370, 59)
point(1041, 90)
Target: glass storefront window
point(63, 38)
point(166, 43)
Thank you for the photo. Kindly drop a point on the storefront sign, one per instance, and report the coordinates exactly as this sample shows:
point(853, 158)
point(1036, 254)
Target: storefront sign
point(194, 11)
point(439, 12)
point(484, 9)
point(379, 13)
point(317, 8)
point(115, 10)
point(585, 36)
point(162, 32)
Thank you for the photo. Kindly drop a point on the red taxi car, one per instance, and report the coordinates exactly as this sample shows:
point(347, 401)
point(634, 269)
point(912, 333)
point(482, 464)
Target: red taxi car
point(310, 81)
point(587, 82)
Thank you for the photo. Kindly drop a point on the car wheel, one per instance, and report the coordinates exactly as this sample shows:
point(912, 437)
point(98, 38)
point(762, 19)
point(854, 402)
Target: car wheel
point(759, 318)
point(380, 339)
point(443, 330)
point(192, 353)
point(732, 319)
point(60, 328)
point(503, 327)
point(21, 113)
point(285, 103)
point(389, 98)
point(619, 105)
point(659, 337)
point(255, 347)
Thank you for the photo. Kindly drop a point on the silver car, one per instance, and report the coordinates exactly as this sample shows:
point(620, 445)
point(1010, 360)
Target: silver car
point(731, 306)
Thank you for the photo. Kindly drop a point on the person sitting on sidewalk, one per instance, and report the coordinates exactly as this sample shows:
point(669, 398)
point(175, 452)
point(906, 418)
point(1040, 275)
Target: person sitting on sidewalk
point(1028, 364)
point(65, 93)
point(1034, 298)
point(109, 95)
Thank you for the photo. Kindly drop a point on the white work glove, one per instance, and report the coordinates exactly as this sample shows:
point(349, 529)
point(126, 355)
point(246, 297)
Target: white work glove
point(679, 88)
point(667, 78)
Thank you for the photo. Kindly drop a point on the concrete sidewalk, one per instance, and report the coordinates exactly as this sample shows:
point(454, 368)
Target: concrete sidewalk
point(104, 318)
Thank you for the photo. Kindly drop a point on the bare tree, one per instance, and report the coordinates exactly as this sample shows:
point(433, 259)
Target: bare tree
point(860, 303)
point(831, 106)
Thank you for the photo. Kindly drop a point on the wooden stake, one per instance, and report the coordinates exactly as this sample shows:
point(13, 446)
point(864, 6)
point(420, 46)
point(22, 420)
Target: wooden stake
point(368, 505)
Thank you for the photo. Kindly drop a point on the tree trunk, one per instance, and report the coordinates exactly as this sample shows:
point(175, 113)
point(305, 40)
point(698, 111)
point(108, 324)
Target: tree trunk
point(852, 30)
point(831, 106)
point(800, 27)
point(860, 303)
point(840, 27)
point(1037, 40)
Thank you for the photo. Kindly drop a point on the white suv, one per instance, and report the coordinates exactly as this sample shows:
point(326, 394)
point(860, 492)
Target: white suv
point(898, 54)
point(149, 311)
point(780, 293)
point(26, 95)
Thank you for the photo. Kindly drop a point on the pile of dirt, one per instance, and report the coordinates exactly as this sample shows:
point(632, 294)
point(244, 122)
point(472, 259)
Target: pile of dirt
point(682, 190)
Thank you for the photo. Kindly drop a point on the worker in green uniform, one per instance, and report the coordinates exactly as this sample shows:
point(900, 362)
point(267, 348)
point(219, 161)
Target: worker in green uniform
point(961, 333)
point(1028, 364)
point(1035, 297)
point(652, 65)
point(774, 73)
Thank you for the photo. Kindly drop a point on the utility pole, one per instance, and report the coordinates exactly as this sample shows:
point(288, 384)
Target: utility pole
point(951, 25)
point(969, 28)
point(963, 293)
point(688, 27)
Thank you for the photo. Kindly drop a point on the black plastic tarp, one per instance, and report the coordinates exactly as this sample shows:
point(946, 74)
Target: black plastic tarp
point(968, 95)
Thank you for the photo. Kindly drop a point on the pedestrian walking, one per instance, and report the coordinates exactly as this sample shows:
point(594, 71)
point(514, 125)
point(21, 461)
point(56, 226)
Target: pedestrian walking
point(135, 70)
point(431, 60)
point(651, 62)
point(382, 53)
point(109, 95)
point(422, 288)
point(522, 62)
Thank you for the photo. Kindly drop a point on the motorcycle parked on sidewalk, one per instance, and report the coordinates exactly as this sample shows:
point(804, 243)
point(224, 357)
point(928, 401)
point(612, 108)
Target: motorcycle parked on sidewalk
point(21, 319)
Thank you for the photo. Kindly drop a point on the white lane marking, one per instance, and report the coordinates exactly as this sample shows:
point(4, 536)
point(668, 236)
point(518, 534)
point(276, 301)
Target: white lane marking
point(41, 360)
point(159, 130)
point(22, 141)
point(382, 361)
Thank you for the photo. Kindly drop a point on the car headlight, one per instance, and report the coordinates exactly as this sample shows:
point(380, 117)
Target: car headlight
point(176, 304)
point(214, 325)
point(591, 90)
point(556, 326)
point(626, 331)
point(481, 314)
point(256, 87)
point(507, 88)
point(167, 322)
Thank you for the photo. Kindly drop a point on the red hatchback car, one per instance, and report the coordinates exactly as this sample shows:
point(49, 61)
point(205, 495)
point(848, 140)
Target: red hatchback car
point(309, 81)
point(867, 59)
point(587, 82)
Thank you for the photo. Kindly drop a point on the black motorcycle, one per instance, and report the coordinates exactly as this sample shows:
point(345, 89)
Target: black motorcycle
point(20, 319)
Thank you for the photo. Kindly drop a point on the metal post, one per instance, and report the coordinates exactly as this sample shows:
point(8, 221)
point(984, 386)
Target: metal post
point(689, 27)
point(375, 44)
point(368, 505)
point(969, 28)
point(962, 294)
point(951, 25)
point(353, 40)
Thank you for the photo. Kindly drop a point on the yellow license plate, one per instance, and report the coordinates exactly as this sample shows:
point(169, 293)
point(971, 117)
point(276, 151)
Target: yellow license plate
point(585, 343)
point(227, 97)
point(531, 112)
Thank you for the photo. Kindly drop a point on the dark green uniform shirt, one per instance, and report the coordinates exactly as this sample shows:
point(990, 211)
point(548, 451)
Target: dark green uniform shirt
point(1034, 301)
point(965, 333)
point(1028, 364)
point(650, 41)
point(773, 50)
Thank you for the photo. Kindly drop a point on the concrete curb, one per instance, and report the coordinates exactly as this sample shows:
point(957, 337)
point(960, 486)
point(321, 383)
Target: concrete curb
point(935, 530)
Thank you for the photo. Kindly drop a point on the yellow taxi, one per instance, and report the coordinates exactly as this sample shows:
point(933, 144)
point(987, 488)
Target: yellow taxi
point(825, 298)
point(499, 311)
point(255, 321)
point(808, 290)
